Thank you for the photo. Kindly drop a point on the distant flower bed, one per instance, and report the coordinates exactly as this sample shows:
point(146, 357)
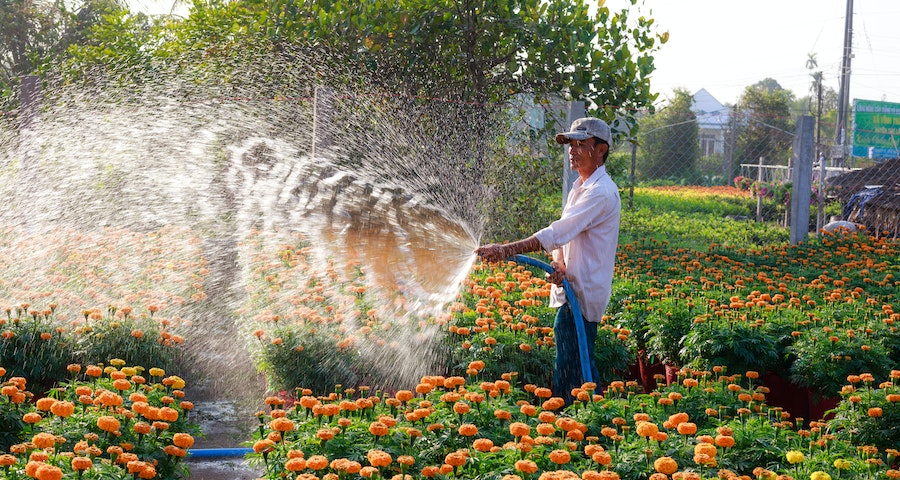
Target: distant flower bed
point(81, 296)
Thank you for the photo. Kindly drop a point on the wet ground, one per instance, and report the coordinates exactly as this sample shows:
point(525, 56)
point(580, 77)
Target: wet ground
point(226, 426)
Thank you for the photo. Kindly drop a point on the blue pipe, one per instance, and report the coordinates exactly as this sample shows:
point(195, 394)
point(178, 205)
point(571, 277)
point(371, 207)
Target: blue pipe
point(576, 313)
point(218, 452)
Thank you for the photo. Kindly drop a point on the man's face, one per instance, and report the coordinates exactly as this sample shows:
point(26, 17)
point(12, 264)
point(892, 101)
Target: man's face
point(585, 156)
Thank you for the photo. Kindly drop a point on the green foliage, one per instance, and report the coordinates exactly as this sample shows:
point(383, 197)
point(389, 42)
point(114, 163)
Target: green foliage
point(825, 357)
point(738, 345)
point(670, 143)
point(308, 358)
point(868, 413)
point(31, 347)
point(136, 340)
point(765, 127)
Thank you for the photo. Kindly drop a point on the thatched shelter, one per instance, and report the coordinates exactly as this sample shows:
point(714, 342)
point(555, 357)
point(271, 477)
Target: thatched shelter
point(880, 208)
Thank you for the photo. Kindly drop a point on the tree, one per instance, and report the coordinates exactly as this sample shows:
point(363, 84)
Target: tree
point(764, 127)
point(670, 144)
point(36, 35)
point(481, 51)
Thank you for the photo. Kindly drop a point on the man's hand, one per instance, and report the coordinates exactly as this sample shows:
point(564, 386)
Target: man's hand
point(559, 273)
point(493, 252)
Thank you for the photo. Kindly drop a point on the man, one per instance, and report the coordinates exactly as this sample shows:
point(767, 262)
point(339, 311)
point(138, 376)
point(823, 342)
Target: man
point(583, 246)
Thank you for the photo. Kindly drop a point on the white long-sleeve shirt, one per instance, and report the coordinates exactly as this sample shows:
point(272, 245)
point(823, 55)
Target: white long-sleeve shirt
point(588, 233)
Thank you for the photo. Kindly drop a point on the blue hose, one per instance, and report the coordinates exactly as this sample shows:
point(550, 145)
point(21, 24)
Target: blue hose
point(218, 452)
point(576, 313)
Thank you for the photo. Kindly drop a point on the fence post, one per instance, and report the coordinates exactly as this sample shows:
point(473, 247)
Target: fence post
point(802, 159)
point(759, 179)
point(323, 106)
point(576, 110)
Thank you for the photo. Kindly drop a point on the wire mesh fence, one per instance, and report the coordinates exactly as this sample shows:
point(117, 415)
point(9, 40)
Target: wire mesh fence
point(756, 152)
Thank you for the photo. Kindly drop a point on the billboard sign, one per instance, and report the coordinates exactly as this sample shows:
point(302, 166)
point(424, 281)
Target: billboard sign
point(876, 129)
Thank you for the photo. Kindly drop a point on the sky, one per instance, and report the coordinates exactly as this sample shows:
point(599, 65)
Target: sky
point(724, 46)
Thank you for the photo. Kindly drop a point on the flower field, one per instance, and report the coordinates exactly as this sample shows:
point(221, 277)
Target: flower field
point(766, 362)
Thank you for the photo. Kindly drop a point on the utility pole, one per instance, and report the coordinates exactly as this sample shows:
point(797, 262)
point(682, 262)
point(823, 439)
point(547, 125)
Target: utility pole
point(840, 133)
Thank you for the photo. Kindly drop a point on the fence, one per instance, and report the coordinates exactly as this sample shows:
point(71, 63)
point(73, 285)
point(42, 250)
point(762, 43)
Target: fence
point(757, 152)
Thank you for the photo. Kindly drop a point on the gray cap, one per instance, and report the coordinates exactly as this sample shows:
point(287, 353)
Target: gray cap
point(584, 128)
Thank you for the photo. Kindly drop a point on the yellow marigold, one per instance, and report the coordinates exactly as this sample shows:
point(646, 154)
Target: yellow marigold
point(794, 456)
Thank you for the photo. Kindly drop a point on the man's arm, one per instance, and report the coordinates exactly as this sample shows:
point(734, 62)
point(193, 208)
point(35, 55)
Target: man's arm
point(496, 252)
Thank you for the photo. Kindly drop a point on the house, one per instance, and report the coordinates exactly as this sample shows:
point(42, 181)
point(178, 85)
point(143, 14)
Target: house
point(712, 120)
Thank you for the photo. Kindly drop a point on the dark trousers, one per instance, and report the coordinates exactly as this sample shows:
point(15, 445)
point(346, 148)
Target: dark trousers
point(567, 373)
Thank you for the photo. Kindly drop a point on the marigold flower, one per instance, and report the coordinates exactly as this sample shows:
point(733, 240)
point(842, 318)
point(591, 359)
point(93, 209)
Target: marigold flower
point(44, 440)
point(281, 424)
point(108, 423)
point(560, 457)
point(705, 449)
point(666, 465)
point(295, 464)
point(264, 445)
point(468, 430)
point(724, 441)
point(32, 417)
point(44, 403)
point(483, 444)
point(379, 458)
point(48, 472)
point(378, 429)
point(794, 456)
point(518, 429)
point(183, 440)
point(80, 464)
point(317, 462)
point(647, 429)
point(526, 466)
point(687, 428)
